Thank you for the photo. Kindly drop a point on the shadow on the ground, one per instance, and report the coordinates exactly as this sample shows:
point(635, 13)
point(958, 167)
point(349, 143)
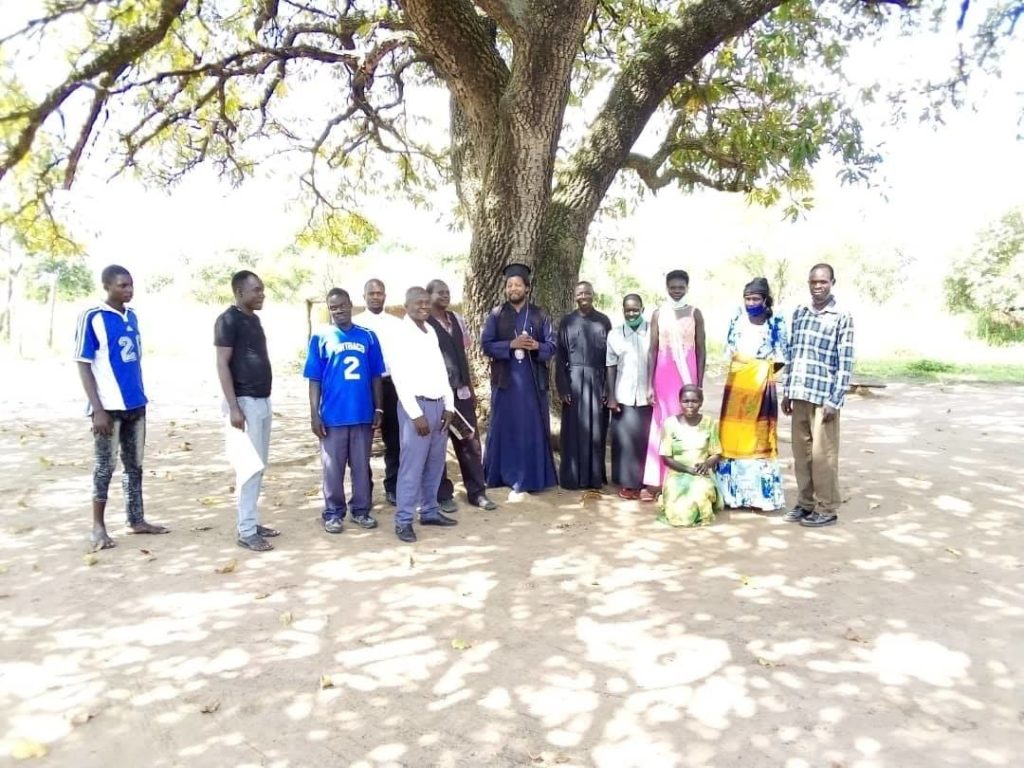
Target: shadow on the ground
point(557, 631)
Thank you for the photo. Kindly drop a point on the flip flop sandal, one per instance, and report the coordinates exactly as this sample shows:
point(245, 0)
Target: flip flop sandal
point(267, 533)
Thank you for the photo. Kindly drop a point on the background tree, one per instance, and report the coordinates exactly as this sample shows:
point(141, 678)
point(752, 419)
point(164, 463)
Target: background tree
point(735, 95)
point(986, 281)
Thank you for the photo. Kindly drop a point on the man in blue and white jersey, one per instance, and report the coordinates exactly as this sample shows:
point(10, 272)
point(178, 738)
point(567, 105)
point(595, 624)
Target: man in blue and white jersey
point(109, 352)
point(344, 367)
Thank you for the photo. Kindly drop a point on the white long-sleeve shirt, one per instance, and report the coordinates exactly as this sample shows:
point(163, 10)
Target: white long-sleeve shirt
point(384, 326)
point(418, 369)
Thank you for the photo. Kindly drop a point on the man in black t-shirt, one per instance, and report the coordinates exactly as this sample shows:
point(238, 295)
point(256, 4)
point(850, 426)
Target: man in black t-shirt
point(243, 368)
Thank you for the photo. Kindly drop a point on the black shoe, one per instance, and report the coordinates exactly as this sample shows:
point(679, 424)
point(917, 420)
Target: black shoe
point(441, 519)
point(389, 496)
point(364, 521)
point(448, 506)
point(405, 533)
point(333, 525)
point(820, 520)
point(484, 503)
point(796, 514)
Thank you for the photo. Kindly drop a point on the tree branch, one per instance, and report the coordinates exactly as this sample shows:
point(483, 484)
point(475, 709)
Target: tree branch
point(462, 47)
point(123, 52)
point(660, 63)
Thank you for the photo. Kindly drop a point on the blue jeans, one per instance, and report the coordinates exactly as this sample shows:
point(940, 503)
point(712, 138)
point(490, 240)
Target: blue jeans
point(128, 434)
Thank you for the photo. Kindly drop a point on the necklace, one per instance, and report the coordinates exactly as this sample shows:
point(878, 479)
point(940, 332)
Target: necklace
point(520, 354)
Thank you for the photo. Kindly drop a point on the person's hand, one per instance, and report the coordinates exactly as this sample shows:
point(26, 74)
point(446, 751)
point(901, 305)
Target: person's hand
point(422, 426)
point(237, 418)
point(529, 343)
point(567, 399)
point(446, 419)
point(651, 397)
point(828, 413)
point(102, 424)
point(613, 404)
point(787, 406)
point(378, 418)
point(522, 341)
point(317, 426)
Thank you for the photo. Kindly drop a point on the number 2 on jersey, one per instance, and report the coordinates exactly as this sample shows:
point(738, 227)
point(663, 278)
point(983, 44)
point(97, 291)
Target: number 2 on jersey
point(127, 345)
point(351, 368)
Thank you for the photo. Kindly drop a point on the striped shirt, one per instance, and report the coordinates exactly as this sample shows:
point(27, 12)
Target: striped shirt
point(109, 341)
point(821, 357)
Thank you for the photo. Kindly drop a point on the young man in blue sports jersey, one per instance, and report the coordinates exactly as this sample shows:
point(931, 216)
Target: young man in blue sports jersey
point(344, 367)
point(108, 352)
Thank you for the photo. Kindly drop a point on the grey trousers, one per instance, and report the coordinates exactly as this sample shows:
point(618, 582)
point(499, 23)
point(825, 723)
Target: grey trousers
point(258, 418)
point(419, 471)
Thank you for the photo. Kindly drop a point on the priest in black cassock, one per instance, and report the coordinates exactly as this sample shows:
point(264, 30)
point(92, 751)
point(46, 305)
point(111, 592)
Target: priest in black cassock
point(580, 378)
point(517, 337)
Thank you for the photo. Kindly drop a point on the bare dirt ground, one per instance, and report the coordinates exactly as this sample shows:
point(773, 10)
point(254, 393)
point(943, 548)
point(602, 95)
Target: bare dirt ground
point(553, 632)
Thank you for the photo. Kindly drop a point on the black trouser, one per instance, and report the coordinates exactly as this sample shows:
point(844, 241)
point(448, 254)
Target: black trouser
point(469, 455)
point(127, 435)
point(389, 434)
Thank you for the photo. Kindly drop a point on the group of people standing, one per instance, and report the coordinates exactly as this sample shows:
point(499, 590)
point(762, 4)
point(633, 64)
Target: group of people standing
point(641, 382)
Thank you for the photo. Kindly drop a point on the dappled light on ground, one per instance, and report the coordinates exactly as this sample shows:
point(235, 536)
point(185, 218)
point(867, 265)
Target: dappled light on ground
point(558, 631)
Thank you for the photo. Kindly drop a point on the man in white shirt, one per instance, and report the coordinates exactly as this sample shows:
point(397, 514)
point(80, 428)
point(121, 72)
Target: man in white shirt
point(385, 326)
point(629, 397)
point(425, 409)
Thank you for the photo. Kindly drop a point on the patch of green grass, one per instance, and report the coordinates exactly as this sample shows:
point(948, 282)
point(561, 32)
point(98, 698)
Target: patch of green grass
point(923, 369)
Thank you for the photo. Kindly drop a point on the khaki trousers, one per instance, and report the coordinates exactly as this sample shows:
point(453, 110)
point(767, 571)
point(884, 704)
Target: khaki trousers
point(815, 457)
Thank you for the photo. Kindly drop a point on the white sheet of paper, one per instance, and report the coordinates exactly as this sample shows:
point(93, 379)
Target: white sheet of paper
point(241, 454)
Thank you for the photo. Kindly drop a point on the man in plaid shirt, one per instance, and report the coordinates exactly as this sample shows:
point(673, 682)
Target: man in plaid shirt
point(814, 386)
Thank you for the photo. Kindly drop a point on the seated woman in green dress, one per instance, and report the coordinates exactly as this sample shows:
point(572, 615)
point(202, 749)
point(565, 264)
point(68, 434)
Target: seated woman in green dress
point(690, 451)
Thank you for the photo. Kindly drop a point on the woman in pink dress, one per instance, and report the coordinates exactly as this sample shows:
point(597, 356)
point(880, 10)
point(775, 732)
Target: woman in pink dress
point(677, 358)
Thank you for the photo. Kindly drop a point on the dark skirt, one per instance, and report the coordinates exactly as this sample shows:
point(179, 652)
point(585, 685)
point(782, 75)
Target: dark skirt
point(629, 430)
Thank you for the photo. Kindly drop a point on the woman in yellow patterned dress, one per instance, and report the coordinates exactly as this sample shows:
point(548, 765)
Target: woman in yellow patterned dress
point(690, 450)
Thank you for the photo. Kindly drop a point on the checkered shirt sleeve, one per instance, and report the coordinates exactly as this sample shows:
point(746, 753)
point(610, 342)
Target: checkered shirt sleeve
point(821, 359)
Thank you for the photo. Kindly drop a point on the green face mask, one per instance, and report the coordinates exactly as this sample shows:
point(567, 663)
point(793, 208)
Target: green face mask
point(635, 322)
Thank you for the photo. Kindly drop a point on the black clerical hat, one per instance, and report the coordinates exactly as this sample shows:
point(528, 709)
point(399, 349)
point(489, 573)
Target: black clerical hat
point(517, 270)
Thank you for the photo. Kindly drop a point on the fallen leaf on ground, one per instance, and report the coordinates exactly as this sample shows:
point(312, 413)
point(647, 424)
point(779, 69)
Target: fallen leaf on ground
point(853, 637)
point(81, 718)
point(23, 529)
point(45, 462)
point(954, 551)
point(591, 496)
point(313, 492)
point(228, 567)
point(208, 501)
point(874, 505)
point(202, 528)
point(767, 664)
point(866, 450)
point(168, 476)
point(186, 446)
point(90, 559)
point(745, 581)
point(326, 682)
point(560, 758)
point(286, 618)
point(22, 503)
point(536, 758)
point(261, 596)
point(210, 708)
point(411, 561)
point(460, 645)
point(25, 749)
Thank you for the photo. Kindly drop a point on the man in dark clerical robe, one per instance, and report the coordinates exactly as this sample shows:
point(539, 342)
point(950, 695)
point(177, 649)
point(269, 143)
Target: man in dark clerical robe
point(580, 379)
point(517, 337)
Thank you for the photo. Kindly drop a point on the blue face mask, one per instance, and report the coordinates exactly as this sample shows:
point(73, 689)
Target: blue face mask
point(757, 311)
